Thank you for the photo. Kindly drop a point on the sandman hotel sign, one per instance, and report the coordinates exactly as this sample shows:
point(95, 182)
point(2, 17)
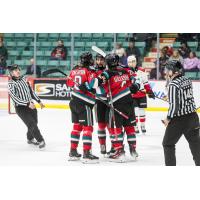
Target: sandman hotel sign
point(52, 89)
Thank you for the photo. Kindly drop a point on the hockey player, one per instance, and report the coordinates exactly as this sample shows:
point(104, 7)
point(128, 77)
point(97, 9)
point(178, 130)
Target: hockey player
point(81, 105)
point(140, 99)
point(101, 108)
point(182, 118)
point(116, 86)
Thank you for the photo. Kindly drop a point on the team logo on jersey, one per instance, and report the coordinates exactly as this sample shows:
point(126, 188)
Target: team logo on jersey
point(45, 89)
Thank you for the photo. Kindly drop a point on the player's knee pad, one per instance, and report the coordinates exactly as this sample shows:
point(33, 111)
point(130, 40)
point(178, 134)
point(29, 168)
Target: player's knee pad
point(88, 129)
point(141, 112)
point(77, 127)
point(101, 126)
point(129, 130)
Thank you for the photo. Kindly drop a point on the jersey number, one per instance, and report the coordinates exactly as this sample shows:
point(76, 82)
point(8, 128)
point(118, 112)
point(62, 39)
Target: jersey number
point(78, 81)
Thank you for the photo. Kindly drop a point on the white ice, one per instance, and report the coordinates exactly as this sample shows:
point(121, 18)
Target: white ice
point(55, 126)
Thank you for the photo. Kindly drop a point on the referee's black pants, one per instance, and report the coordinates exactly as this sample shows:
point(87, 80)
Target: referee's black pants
point(29, 117)
point(187, 125)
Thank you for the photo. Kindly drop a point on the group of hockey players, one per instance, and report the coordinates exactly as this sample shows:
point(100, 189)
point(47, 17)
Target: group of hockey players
point(114, 91)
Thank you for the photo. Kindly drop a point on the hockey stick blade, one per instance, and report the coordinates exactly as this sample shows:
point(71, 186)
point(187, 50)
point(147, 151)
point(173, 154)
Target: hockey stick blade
point(98, 50)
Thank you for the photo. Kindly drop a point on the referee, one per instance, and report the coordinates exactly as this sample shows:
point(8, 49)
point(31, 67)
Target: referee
point(23, 96)
point(182, 118)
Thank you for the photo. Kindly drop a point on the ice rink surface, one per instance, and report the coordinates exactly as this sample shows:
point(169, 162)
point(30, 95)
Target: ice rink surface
point(55, 125)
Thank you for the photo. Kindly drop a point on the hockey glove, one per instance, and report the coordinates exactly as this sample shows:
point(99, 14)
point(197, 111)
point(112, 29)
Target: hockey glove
point(83, 87)
point(134, 88)
point(151, 95)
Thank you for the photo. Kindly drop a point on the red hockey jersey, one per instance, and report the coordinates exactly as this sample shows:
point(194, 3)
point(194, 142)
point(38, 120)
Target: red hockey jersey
point(78, 76)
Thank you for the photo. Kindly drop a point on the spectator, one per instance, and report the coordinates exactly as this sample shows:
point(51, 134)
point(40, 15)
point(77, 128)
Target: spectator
point(30, 69)
point(133, 50)
point(184, 50)
point(162, 62)
point(176, 56)
point(120, 51)
point(59, 52)
point(167, 51)
point(191, 63)
point(3, 56)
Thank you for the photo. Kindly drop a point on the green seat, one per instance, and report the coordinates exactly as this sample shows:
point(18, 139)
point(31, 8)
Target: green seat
point(53, 37)
point(20, 62)
point(41, 62)
point(191, 75)
point(11, 45)
point(27, 54)
point(109, 37)
point(9, 62)
point(45, 45)
point(13, 53)
point(53, 63)
point(42, 37)
point(97, 37)
point(65, 36)
point(121, 36)
point(21, 44)
point(176, 44)
point(19, 36)
point(102, 44)
point(88, 45)
point(8, 35)
point(198, 54)
point(65, 64)
point(47, 53)
point(140, 44)
point(32, 44)
point(77, 35)
point(79, 46)
point(124, 44)
point(40, 54)
point(67, 44)
point(27, 62)
point(29, 35)
point(193, 45)
point(86, 37)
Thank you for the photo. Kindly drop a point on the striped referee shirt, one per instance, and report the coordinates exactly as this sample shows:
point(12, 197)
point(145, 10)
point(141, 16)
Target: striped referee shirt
point(180, 95)
point(21, 92)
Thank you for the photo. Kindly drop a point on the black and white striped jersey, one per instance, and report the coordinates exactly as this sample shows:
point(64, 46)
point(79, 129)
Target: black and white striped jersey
point(21, 92)
point(180, 95)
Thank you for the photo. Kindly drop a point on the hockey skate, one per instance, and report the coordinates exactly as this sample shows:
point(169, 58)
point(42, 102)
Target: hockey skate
point(136, 130)
point(42, 145)
point(133, 153)
point(143, 129)
point(103, 149)
point(117, 156)
point(74, 155)
point(88, 158)
point(33, 142)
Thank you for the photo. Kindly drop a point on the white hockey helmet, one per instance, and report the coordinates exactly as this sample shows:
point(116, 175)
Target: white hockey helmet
point(131, 58)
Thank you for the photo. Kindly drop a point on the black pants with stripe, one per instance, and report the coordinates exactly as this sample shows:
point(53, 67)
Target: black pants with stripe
point(187, 125)
point(81, 113)
point(29, 117)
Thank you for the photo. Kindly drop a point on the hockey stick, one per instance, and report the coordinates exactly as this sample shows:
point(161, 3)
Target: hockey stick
point(101, 52)
point(98, 50)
